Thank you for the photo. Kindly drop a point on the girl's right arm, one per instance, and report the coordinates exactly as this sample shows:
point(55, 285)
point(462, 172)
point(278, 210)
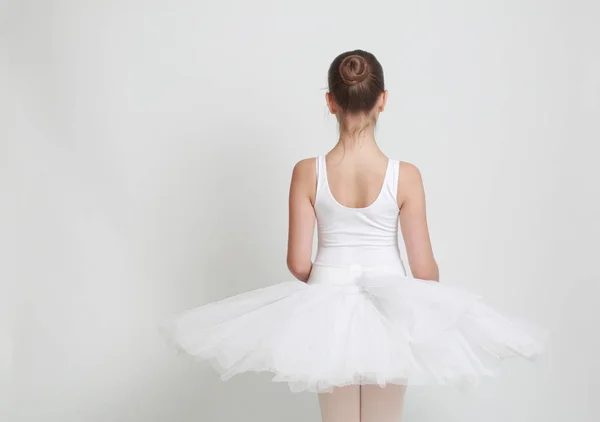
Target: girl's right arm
point(301, 219)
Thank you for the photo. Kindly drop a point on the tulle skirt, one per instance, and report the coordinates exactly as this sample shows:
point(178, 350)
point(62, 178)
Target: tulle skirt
point(355, 325)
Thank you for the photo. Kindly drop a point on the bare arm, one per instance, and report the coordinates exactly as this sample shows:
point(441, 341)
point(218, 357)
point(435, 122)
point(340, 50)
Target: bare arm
point(413, 221)
point(301, 219)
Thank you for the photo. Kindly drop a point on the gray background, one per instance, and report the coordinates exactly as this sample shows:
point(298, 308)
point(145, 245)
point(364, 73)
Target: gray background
point(146, 151)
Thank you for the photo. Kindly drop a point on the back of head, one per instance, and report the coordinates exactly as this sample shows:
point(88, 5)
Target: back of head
point(355, 80)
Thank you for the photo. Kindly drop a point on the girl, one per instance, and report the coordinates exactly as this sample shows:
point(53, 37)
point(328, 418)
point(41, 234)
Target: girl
point(356, 327)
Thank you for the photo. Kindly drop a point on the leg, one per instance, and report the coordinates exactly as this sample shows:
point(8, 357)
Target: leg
point(341, 405)
point(382, 404)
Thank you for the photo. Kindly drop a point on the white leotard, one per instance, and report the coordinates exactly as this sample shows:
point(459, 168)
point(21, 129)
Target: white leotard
point(358, 237)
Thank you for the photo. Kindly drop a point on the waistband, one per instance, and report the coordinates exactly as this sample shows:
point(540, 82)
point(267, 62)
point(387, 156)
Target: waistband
point(351, 274)
point(348, 255)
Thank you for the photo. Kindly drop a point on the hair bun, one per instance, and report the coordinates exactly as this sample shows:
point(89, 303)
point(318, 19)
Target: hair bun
point(354, 69)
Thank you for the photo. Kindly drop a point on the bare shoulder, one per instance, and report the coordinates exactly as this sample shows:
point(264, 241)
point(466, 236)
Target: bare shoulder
point(305, 171)
point(305, 166)
point(410, 183)
point(409, 174)
point(304, 178)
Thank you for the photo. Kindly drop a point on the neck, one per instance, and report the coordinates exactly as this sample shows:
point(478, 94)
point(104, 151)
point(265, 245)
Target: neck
point(356, 130)
point(357, 138)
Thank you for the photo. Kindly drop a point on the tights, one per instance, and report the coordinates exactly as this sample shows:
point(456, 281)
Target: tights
point(366, 403)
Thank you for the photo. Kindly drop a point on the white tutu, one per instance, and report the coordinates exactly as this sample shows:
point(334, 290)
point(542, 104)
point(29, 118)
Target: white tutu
point(345, 327)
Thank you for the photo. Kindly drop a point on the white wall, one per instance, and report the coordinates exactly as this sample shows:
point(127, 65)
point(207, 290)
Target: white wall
point(146, 153)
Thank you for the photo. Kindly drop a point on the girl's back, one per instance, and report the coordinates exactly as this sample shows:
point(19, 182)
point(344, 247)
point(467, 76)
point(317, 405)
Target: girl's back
point(360, 198)
point(362, 228)
point(356, 181)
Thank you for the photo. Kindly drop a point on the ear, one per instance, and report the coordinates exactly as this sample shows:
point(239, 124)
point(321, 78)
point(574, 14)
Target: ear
point(331, 103)
point(382, 101)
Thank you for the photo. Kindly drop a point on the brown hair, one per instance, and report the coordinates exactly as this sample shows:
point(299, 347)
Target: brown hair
point(355, 80)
